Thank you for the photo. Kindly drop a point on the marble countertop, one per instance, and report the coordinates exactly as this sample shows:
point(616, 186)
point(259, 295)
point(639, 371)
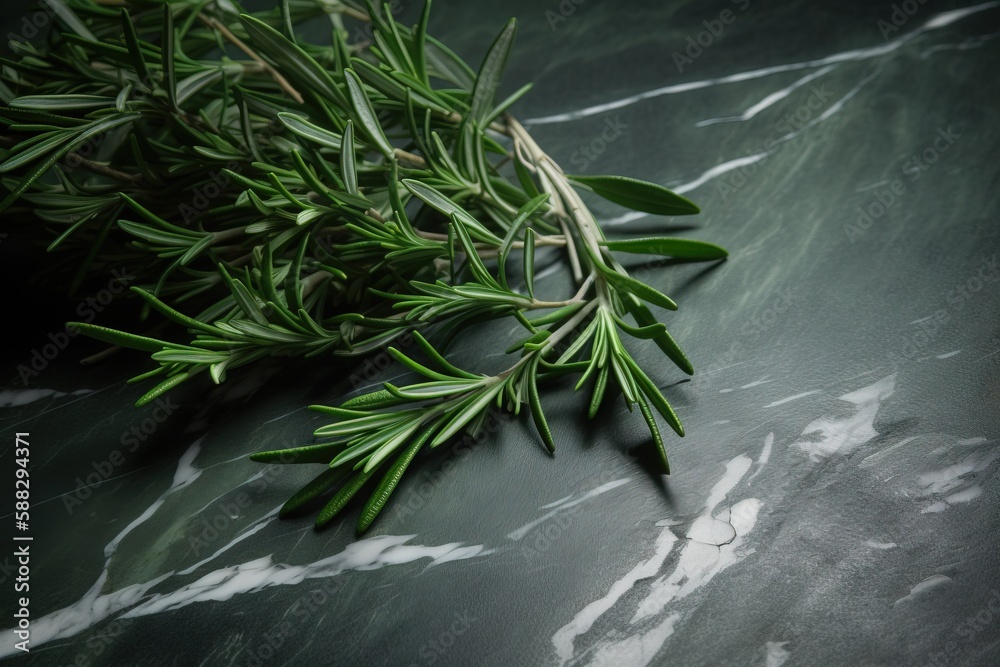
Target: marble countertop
point(836, 500)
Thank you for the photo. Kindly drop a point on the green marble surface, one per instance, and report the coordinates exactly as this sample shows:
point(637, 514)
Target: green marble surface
point(835, 501)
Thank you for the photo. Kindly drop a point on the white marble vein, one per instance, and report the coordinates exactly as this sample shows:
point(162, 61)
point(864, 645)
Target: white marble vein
point(776, 654)
point(136, 600)
point(584, 620)
point(770, 100)
point(256, 575)
point(965, 45)
point(789, 399)
point(699, 561)
point(15, 398)
point(826, 65)
point(935, 23)
point(714, 542)
point(765, 456)
point(953, 484)
point(563, 506)
point(720, 169)
point(921, 589)
point(250, 530)
point(878, 456)
point(637, 650)
point(827, 436)
point(63, 404)
point(883, 546)
point(94, 606)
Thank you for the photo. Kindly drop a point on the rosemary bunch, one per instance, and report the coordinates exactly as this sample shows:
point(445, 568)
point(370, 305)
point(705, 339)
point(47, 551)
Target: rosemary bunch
point(278, 197)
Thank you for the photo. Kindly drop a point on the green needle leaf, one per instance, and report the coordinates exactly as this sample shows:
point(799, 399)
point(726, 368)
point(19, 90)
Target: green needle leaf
point(348, 169)
point(175, 315)
point(161, 389)
point(134, 50)
point(419, 44)
point(529, 262)
point(62, 102)
point(391, 479)
point(313, 489)
point(652, 392)
point(490, 72)
point(598, 395)
point(416, 367)
point(475, 263)
point(52, 141)
point(114, 337)
point(654, 430)
point(303, 128)
point(669, 247)
point(523, 215)
point(321, 453)
point(366, 114)
point(537, 414)
point(444, 64)
point(433, 198)
point(70, 19)
point(663, 340)
point(167, 55)
point(509, 102)
point(638, 195)
point(524, 178)
point(342, 497)
point(292, 60)
point(469, 410)
point(436, 357)
point(630, 285)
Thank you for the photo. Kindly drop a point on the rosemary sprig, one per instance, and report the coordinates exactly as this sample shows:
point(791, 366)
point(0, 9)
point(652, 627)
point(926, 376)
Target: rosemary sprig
point(284, 198)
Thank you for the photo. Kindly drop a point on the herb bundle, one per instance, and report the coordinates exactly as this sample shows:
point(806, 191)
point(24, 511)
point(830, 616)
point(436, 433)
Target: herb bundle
point(283, 198)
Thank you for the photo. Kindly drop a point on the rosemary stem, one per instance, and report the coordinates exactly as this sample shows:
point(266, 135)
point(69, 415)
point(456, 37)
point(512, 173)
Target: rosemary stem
point(215, 24)
point(414, 160)
point(102, 169)
point(568, 327)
